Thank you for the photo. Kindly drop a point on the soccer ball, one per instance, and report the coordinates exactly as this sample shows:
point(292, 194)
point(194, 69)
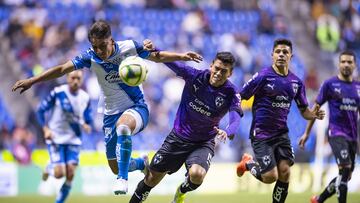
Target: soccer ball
point(133, 70)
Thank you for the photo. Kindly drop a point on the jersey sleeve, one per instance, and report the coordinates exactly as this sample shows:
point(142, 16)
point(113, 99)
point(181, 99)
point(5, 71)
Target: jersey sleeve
point(87, 114)
point(236, 104)
point(140, 50)
point(45, 105)
point(252, 86)
point(182, 70)
point(234, 123)
point(322, 97)
point(82, 60)
point(300, 97)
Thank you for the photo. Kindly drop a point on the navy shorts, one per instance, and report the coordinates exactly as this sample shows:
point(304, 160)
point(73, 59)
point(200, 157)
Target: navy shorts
point(268, 152)
point(175, 151)
point(344, 151)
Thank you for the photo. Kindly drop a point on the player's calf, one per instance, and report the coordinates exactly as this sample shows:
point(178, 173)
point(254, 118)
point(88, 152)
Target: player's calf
point(141, 193)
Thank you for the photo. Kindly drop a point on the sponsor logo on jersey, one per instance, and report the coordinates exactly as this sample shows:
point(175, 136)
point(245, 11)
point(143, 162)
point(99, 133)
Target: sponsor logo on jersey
point(113, 77)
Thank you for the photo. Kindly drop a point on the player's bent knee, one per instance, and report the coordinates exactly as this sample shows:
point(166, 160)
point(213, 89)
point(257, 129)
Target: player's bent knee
point(270, 177)
point(123, 130)
point(153, 178)
point(197, 174)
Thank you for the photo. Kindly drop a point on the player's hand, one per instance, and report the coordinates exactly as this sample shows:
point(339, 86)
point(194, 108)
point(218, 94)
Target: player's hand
point(192, 56)
point(47, 133)
point(23, 85)
point(320, 114)
point(87, 128)
point(303, 140)
point(148, 45)
point(221, 135)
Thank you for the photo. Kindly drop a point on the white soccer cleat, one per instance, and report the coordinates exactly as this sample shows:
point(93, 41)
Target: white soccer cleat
point(120, 187)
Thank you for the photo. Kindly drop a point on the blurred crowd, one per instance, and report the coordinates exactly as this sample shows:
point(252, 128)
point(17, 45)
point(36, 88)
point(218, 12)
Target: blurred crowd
point(46, 33)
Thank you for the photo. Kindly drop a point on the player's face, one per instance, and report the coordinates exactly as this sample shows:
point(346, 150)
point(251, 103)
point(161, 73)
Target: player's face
point(74, 80)
point(219, 72)
point(103, 47)
point(346, 65)
point(281, 56)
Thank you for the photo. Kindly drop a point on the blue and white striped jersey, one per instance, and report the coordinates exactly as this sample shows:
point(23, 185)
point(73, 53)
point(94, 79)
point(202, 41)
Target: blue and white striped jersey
point(116, 96)
point(68, 112)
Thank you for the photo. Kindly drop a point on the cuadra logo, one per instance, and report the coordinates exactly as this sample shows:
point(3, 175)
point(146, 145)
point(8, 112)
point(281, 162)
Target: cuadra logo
point(113, 77)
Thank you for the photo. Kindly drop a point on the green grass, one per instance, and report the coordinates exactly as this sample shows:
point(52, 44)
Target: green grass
point(191, 198)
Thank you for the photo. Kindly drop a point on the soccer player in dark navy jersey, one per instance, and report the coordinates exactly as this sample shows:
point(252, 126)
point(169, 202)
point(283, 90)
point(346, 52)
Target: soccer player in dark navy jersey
point(274, 88)
point(207, 96)
point(343, 96)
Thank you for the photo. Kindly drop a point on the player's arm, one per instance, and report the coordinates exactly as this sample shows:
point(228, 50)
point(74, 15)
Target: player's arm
point(252, 86)
point(308, 128)
point(52, 73)
point(167, 56)
point(47, 104)
point(88, 119)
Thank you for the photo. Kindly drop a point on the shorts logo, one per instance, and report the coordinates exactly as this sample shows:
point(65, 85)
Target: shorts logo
point(107, 132)
point(219, 101)
point(344, 154)
point(266, 160)
point(158, 158)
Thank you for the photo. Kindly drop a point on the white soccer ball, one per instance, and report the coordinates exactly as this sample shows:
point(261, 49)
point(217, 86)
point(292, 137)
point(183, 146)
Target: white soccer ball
point(133, 70)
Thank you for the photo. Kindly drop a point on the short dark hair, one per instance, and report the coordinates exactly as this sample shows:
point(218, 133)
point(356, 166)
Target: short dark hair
point(348, 52)
point(283, 41)
point(100, 30)
point(225, 57)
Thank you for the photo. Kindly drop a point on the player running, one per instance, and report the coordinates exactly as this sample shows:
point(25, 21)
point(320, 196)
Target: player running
point(343, 95)
point(69, 111)
point(125, 111)
point(274, 88)
point(206, 98)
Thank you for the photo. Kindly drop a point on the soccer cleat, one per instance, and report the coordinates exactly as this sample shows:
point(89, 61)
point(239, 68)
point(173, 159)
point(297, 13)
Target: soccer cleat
point(179, 196)
point(314, 199)
point(241, 167)
point(45, 175)
point(120, 187)
point(146, 163)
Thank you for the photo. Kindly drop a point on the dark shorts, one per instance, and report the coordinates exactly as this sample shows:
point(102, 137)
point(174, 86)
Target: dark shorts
point(175, 151)
point(269, 152)
point(344, 151)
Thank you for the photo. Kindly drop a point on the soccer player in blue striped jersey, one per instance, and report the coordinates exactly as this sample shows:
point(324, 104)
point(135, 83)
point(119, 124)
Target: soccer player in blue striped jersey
point(343, 96)
point(207, 96)
point(125, 111)
point(274, 88)
point(69, 112)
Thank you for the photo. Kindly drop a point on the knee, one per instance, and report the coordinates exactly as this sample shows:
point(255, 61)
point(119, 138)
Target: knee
point(197, 174)
point(284, 174)
point(70, 173)
point(59, 172)
point(123, 130)
point(270, 177)
point(152, 179)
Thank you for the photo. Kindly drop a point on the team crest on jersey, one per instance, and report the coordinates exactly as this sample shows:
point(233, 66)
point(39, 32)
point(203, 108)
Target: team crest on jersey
point(344, 153)
point(295, 87)
point(266, 160)
point(219, 101)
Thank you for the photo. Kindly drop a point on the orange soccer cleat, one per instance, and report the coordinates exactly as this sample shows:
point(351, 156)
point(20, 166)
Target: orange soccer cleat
point(314, 199)
point(241, 167)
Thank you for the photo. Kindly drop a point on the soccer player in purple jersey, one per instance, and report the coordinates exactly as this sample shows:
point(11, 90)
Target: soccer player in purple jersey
point(274, 88)
point(343, 96)
point(206, 98)
point(125, 110)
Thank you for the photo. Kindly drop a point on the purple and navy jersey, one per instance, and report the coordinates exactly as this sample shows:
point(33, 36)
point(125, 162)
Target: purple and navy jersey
point(202, 106)
point(116, 96)
point(344, 100)
point(273, 95)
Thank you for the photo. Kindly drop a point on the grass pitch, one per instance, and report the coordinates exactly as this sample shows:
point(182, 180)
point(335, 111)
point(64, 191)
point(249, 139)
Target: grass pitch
point(191, 198)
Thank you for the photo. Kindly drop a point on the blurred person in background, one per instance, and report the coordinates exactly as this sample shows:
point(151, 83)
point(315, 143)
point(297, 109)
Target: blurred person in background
point(69, 108)
point(343, 95)
point(207, 96)
point(124, 107)
point(274, 88)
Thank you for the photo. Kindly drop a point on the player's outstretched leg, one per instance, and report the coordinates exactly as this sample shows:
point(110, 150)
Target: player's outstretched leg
point(247, 163)
point(141, 163)
point(328, 192)
point(185, 187)
point(64, 192)
point(341, 184)
point(49, 170)
point(123, 154)
point(141, 193)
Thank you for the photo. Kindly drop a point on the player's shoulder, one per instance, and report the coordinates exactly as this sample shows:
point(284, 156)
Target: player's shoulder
point(84, 94)
point(60, 88)
point(332, 80)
